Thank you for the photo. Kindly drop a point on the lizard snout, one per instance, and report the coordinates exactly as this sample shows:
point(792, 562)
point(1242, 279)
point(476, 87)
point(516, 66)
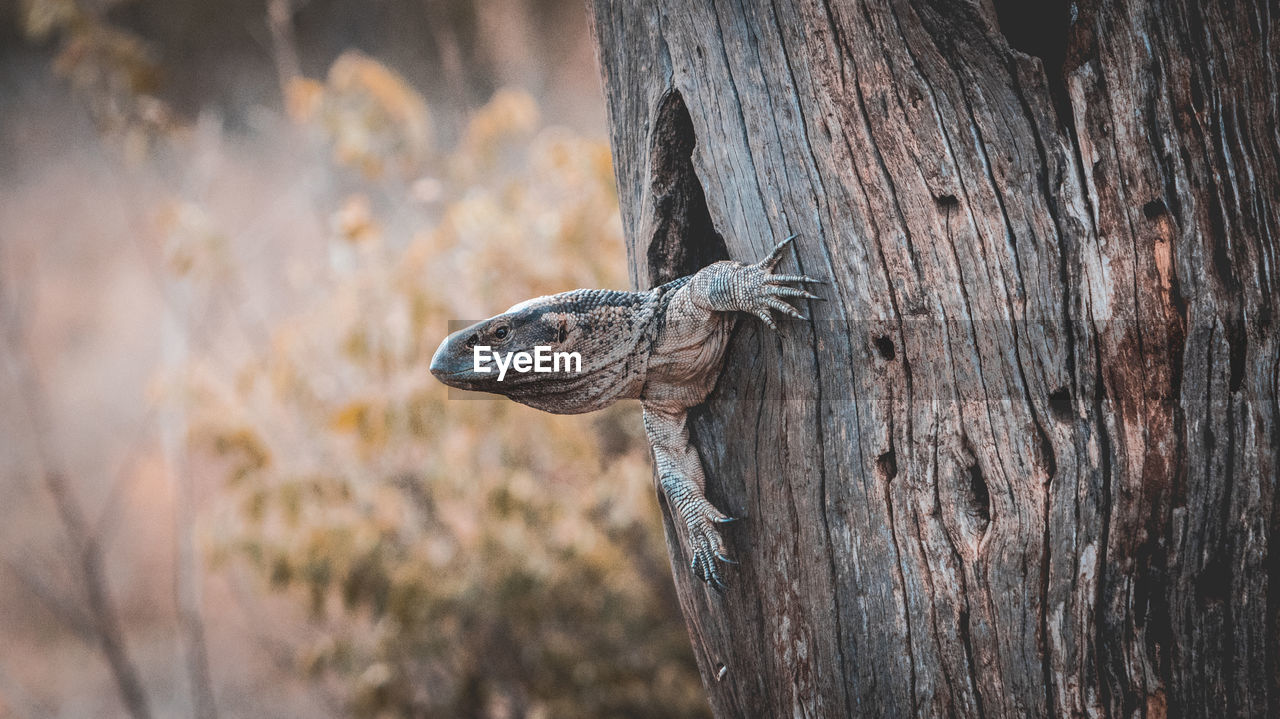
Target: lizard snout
point(449, 360)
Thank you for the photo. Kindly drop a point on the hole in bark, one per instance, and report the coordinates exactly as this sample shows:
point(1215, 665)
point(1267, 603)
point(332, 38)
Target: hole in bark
point(947, 201)
point(884, 346)
point(974, 487)
point(887, 465)
point(979, 496)
point(1040, 29)
point(1060, 404)
point(684, 238)
point(1154, 209)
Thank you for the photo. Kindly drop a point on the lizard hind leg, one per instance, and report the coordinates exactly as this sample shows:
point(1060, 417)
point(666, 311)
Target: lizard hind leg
point(698, 517)
point(682, 482)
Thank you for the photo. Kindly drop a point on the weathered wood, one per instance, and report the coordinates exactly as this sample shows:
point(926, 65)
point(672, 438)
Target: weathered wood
point(1024, 462)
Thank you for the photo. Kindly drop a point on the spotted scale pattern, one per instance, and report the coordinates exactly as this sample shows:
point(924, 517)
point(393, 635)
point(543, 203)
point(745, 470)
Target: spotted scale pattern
point(664, 347)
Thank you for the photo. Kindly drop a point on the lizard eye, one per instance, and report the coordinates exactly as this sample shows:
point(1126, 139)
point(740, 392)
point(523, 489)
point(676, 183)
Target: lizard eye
point(502, 332)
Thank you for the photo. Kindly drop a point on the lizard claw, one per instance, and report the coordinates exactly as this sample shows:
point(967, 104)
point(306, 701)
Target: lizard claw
point(784, 291)
point(766, 318)
point(783, 307)
point(768, 299)
point(766, 293)
point(707, 547)
point(779, 279)
point(772, 260)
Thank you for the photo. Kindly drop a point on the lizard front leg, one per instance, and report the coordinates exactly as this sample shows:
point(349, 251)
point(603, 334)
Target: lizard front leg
point(729, 286)
point(682, 371)
point(682, 481)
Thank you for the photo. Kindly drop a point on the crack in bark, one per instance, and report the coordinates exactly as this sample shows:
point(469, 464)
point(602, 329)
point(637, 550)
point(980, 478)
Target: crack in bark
point(1041, 30)
point(1099, 620)
point(684, 238)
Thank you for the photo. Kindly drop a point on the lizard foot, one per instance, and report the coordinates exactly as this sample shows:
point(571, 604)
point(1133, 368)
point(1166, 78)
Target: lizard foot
point(708, 549)
point(707, 545)
point(767, 292)
point(702, 538)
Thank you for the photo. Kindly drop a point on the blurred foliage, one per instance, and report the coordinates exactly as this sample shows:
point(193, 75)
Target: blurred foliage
point(370, 114)
point(461, 556)
point(111, 69)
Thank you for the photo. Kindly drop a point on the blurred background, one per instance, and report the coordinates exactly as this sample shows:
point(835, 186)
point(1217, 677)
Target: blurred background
point(231, 235)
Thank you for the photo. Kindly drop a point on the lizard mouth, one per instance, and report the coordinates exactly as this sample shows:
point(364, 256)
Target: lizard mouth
point(457, 379)
point(452, 375)
point(453, 363)
point(463, 379)
point(450, 366)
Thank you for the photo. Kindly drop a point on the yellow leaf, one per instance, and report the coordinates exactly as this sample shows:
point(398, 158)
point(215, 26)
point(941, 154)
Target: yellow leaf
point(302, 98)
point(350, 417)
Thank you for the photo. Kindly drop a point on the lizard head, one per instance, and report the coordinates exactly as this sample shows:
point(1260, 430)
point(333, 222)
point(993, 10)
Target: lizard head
point(471, 358)
point(587, 349)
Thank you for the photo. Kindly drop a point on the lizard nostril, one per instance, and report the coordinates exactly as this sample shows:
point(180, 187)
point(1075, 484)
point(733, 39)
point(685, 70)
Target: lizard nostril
point(473, 340)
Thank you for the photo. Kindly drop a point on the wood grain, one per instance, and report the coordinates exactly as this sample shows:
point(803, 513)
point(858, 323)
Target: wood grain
point(1024, 462)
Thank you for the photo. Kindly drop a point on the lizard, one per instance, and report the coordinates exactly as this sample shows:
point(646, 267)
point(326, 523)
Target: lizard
point(664, 346)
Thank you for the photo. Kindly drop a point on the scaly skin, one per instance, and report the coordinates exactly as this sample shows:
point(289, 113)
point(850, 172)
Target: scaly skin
point(664, 347)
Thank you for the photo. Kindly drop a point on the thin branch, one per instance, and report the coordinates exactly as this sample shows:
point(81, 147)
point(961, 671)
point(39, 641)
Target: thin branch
point(71, 616)
point(283, 45)
point(186, 576)
point(105, 618)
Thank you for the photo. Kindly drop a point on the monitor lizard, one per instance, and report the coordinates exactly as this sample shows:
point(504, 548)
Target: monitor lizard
point(664, 347)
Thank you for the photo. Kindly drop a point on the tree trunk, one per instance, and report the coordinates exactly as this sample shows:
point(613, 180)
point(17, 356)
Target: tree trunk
point(1023, 462)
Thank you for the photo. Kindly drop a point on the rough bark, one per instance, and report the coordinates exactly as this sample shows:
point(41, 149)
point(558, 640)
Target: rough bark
point(1024, 462)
